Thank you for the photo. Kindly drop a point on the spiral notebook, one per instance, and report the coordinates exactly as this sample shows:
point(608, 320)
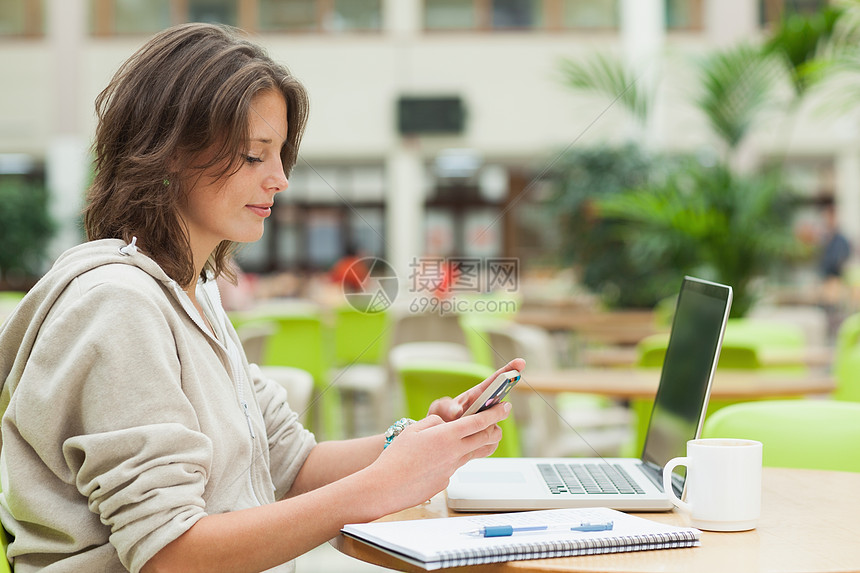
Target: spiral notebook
point(452, 542)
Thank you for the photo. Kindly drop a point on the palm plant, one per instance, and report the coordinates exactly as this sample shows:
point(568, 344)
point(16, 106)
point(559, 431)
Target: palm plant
point(800, 40)
point(736, 85)
point(711, 222)
point(609, 78)
point(607, 261)
point(696, 219)
point(835, 66)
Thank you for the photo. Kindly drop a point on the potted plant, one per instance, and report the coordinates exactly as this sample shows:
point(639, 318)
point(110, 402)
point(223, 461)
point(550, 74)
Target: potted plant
point(25, 230)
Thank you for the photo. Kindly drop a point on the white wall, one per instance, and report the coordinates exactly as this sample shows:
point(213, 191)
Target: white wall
point(517, 109)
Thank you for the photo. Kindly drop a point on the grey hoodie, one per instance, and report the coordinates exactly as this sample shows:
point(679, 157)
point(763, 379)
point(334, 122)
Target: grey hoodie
point(125, 420)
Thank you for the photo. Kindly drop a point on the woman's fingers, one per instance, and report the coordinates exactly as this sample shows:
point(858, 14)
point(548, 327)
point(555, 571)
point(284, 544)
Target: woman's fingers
point(468, 425)
point(446, 408)
point(428, 422)
point(428, 452)
point(472, 394)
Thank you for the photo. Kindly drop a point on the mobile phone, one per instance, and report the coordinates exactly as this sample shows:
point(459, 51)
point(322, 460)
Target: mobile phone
point(495, 392)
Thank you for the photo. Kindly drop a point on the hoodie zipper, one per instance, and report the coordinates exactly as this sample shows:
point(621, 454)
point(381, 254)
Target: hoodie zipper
point(239, 375)
point(235, 361)
point(232, 357)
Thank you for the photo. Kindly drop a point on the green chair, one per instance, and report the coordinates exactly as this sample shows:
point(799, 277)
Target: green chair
point(360, 337)
point(8, 301)
point(476, 329)
point(846, 360)
point(651, 352)
point(300, 341)
point(11, 296)
point(424, 382)
point(359, 373)
point(743, 343)
point(813, 434)
point(566, 424)
point(5, 566)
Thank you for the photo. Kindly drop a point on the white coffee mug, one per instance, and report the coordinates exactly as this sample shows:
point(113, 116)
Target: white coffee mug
point(723, 485)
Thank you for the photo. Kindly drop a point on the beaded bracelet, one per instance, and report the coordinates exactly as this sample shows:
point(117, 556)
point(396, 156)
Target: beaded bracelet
point(394, 430)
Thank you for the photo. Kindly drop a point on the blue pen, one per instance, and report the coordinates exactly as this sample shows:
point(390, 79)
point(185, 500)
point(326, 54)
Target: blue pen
point(597, 526)
point(509, 530)
point(504, 530)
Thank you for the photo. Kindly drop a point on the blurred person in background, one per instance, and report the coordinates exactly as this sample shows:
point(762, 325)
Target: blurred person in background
point(349, 272)
point(835, 254)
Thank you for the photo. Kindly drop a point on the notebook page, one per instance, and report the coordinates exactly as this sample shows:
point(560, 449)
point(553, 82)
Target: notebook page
point(432, 540)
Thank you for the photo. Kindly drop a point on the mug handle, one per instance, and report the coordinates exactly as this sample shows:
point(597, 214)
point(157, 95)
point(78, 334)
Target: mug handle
point(667, 481)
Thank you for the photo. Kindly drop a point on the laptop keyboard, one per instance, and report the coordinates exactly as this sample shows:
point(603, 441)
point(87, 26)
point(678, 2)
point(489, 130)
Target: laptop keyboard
point(588, 479)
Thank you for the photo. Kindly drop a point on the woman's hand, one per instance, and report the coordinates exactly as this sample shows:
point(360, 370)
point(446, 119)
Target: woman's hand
point(421, 460)
point(449, 409)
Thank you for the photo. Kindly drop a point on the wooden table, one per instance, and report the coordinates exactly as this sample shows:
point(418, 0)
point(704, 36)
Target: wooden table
point(617, 327)
point(810, 522)
point(642, 383)
point(626, 356)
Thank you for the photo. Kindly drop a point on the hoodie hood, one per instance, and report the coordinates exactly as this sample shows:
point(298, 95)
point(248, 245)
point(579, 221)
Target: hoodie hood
point(20, 329)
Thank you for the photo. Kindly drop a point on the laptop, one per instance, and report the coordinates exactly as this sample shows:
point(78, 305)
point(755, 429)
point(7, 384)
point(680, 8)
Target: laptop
point(627, 484)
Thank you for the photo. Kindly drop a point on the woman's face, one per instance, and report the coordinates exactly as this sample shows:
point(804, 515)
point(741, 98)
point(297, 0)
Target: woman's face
point(234, 208)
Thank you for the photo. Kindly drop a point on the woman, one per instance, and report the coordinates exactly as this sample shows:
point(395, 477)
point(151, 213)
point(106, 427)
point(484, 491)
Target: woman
point(136, 435)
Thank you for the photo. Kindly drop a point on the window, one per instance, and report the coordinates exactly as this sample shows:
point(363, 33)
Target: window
point(590, 14)
point(520, 14)
point(517, 14)
point(355, 15)
point(319, 15)
point(324, 237)
point(326, 210)
point(482, 233)
point(213, 11)
point(366, 231)
point(22, 18)
point(449, 14)
point(141, 16)
point(299, 15)
point(773, 10)
point(684, 14)
point(110, 17)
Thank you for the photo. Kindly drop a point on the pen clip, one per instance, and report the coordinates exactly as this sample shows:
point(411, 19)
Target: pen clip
point(596, 526)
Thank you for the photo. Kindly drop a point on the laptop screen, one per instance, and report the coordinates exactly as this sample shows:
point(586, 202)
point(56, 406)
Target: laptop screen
point(691, 355)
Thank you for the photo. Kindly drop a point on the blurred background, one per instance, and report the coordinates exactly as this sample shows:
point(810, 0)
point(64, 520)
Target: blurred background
point(485, 128)
point(488, 178)
point(566, 160)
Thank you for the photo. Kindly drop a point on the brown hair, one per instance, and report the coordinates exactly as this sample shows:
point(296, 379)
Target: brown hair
point(189, 89)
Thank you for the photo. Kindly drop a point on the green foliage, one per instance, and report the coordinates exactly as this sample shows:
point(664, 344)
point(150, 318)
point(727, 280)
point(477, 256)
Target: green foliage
point(633, 224)
point(737, 84)
point(610, 78)
point(835, 67)
point(607, 261)
point(798, 39)
point(25, 228)
point(710, 222)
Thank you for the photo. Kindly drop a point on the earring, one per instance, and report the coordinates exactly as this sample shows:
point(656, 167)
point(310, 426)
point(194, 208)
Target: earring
point(166, 182)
